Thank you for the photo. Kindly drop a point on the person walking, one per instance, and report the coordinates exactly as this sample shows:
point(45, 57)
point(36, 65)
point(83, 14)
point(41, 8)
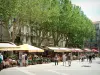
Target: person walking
point(69, 59)
point(23, 59)
point(26, 60)
point(82, 57)
point(93, 56)
point(90, 58)
point(20, 59)
point(64, 59)
point(79, 57)
point(56, 59)
point(87, 57)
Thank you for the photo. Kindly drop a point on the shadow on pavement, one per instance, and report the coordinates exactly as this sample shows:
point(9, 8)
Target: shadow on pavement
point(85, 66)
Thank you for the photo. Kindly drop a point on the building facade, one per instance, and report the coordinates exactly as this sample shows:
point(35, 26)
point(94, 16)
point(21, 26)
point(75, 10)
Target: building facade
point(95, 42)
point(4, 33)
point(26, 35)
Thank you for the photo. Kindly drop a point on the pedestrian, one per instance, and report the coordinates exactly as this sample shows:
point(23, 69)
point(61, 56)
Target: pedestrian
point(23, 59)
point(87, 57)
point(20, 59)
point(64, 59)
point(56, 59)
point(79, 58)
point(26, 60)
point(1, 65)
point(90, 58)
point(93, 56)
point(1, 61)
point(82, 57)
point(69, 59)
point(1, 56)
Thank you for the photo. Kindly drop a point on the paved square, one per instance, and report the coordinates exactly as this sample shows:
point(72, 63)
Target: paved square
point(77, 68)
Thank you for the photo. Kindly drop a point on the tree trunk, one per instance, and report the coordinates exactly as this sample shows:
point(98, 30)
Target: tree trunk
point(66, 44)
point(13, 33)
point(55, 43)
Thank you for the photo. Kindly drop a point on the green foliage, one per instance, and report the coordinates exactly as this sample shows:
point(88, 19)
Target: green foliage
point(13, 57)
point(7, 8)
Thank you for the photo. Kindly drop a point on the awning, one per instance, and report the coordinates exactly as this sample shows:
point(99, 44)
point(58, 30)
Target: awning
point(66, 49)
point(94, 50)
point(8, 47)
point(87, 50)
point(76, 50)
point(59, 49)
point(30, 48)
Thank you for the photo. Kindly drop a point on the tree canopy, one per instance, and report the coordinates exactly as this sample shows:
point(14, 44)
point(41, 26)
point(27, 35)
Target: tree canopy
point(59, 18)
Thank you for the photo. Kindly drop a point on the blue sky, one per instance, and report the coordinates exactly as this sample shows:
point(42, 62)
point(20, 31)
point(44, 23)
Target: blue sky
point(90, 7)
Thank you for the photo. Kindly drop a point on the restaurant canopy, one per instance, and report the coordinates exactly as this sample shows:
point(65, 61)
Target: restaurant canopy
point(30, 48)
point(8, 47)
point(76, 50)
point(94, 50)
point(59, 49)
point(87, 50)
point(66, 49)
